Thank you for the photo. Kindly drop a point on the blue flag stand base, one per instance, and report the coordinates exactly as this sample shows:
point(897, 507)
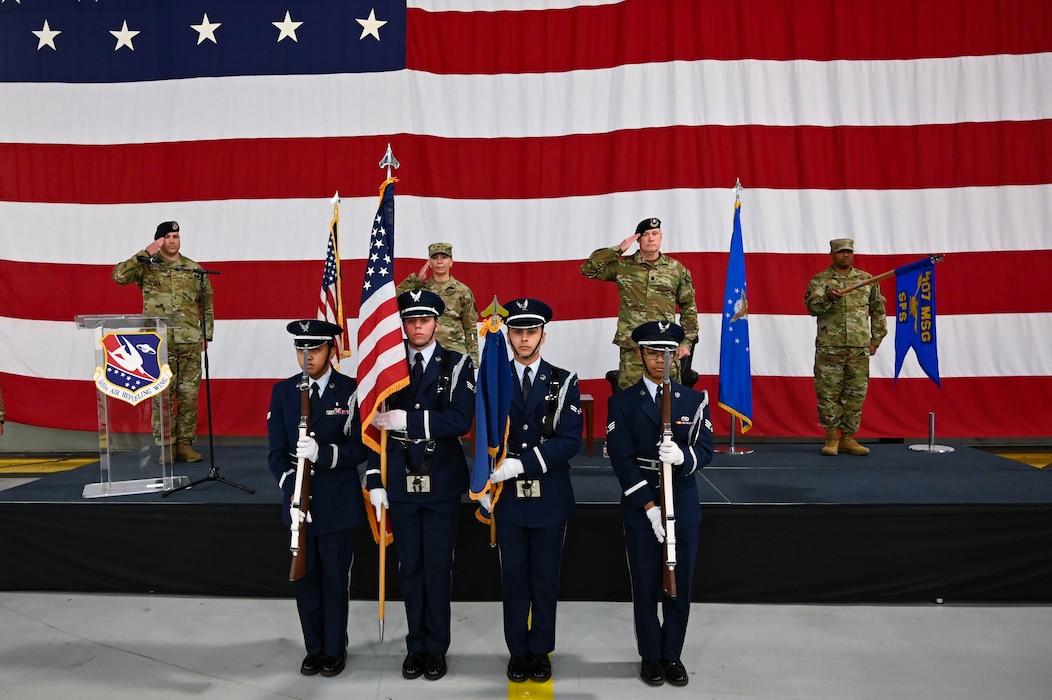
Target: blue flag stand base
point(931, 446)
point(731, 449)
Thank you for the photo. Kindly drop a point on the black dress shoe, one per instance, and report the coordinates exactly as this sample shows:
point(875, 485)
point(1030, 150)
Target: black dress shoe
point(652, 673)
point(435, 667)
point(311, 665)
point(333, 665)
point(518, 668)
point(675, 673)
point(413, 665)
point(540, 668)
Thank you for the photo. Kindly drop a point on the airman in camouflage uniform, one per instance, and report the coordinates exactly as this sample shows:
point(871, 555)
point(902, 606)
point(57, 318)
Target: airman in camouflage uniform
point(650, 285)
point(850, 328)
point(166, 291)
point(458, 325)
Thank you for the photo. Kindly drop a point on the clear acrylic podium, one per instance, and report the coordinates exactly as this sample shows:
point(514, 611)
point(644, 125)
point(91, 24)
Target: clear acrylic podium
point(132, 378)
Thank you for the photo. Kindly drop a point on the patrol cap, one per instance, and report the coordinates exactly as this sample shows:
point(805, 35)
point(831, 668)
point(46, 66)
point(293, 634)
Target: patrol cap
point(164, 228)
point(647, 224)
point(436, 248)
point(838, 244)
point(420, 302)
point(527, 313)
point(311, 333)
point(659, 335)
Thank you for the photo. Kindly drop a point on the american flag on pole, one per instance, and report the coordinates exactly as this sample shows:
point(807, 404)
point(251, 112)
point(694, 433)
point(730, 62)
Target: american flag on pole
point(382, 369)
point(330, 303)
point(539, 131)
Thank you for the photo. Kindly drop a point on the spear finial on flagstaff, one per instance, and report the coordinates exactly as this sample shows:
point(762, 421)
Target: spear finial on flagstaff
point(738, 190)
point(389, 161)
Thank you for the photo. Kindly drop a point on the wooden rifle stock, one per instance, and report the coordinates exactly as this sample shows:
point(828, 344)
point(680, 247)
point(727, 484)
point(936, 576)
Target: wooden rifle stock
point(668, 510)
point(301, 492)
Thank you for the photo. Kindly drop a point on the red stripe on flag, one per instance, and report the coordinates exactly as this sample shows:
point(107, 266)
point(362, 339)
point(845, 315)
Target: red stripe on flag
point(79, 289)
point(770, 157)
point(652, 31)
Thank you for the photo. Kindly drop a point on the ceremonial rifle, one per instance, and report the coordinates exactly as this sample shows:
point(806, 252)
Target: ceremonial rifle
point(301, 492)
point(668, 507)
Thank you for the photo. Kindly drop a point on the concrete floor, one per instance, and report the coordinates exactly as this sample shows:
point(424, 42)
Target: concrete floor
point(118, 647)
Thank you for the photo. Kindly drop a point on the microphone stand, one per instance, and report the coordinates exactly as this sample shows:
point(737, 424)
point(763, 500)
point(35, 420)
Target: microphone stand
point(213, 470)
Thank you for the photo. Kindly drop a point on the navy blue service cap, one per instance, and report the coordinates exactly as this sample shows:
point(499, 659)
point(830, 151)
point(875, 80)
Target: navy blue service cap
point(164, 228)
point(420, 302)
point(647, 224)
point(527, 313)
point(659, 335)
point(311, 333)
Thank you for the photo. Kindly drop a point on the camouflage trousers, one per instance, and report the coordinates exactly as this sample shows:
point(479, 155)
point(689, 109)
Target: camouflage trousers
point(631, 367)
point(841, 381)
point(185, 361)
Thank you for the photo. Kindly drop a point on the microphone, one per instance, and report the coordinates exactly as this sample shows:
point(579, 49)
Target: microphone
point(145, 259)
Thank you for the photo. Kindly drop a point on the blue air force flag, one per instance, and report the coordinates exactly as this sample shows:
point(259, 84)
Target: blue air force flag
point(915, 316)
point(735, 395)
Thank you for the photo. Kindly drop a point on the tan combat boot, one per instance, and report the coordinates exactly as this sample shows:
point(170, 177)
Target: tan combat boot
point(186, 453)
point(850, 445)
point(832, 445)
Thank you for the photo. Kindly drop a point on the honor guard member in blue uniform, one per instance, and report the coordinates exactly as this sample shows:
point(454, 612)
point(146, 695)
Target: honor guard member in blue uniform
point(537, 497)
point(427, 474)
point(632, 439)
point(334, 446)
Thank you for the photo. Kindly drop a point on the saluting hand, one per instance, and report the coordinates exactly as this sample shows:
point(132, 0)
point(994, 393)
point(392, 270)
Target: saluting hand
point(425, 270)
point(628, 242)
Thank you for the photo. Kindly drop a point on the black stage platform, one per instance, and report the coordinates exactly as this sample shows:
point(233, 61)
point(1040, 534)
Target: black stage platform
point(780, 525)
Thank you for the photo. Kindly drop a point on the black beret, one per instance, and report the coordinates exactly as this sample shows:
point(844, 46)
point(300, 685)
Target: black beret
point(647, 224)
point(164, 228)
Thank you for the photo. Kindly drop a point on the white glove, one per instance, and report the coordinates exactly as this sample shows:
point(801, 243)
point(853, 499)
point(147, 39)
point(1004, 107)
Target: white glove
point(390, 420)
point(307, 448)
point(654, 515)
point(508, 469)
point(486, 502)
point(297, 514)
point(670, 453)
point(378, 497)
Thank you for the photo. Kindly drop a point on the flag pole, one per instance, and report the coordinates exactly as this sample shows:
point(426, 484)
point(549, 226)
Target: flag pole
point(335, 228)
point(388, 162)
point(732, 449)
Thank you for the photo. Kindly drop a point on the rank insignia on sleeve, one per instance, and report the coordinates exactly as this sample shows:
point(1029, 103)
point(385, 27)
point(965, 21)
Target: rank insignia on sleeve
point(611, 426)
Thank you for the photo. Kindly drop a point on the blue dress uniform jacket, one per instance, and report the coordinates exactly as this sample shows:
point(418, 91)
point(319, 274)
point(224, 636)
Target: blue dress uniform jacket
point(531, 531)
point(548, 462)
point(424, 524)
point(633, 433)
point(336, 505)
point(430, 417)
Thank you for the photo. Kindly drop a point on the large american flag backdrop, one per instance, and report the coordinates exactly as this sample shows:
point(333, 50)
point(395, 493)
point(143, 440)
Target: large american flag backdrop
point(528, 137)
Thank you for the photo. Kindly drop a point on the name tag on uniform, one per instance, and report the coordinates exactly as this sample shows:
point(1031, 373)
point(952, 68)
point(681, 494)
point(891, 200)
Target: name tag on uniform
point(418, 483)
point(528, 488)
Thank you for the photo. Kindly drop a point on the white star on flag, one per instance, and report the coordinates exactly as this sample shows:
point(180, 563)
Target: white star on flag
point(288, 28)
point(371, 25)
point(206, 30)
point(124, 36)
point(47, 36)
